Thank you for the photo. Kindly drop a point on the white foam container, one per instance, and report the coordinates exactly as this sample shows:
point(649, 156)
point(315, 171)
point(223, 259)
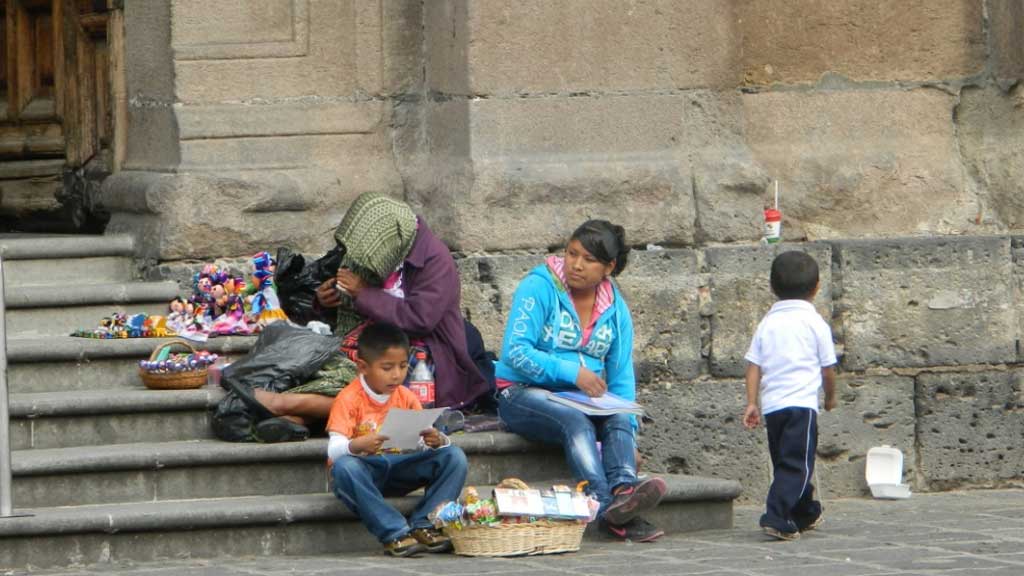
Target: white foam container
point(884, 473)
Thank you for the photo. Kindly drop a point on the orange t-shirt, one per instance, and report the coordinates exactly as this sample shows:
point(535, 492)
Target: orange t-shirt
point(355, 414)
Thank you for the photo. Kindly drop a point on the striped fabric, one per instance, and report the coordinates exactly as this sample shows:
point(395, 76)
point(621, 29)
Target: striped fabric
point(377, 232)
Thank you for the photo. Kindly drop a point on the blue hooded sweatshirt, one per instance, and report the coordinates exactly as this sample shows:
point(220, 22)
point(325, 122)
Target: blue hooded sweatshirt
point(543, 339)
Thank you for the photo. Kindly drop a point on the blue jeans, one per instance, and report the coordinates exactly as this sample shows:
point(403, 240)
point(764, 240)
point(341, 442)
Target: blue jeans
point(527, 411)
point(362, 483)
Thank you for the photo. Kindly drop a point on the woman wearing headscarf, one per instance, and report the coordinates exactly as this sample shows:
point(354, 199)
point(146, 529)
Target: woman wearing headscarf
point(395, 271)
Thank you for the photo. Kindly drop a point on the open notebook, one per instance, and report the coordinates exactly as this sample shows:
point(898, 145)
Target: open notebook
point(605, 405)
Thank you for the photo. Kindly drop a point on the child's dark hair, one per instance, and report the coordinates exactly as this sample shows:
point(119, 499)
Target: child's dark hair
point(605, 241)
point(794, 276)
point(378, 338)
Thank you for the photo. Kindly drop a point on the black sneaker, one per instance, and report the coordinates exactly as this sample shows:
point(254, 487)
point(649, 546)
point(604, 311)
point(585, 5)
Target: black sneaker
point(635, 500)
point(274, 430)
point(636, 530)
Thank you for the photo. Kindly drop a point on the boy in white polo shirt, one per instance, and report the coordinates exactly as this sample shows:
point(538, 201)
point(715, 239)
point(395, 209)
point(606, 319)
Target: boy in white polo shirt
point(790, 357)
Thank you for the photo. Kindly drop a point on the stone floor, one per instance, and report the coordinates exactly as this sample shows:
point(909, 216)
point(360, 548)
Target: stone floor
point(955, 534)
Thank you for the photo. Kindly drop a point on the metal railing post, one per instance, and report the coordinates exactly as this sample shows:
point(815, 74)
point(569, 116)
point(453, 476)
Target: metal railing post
point(6, 505)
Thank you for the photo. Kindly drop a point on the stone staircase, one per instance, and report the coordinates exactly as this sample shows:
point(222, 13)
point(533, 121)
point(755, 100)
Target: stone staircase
point(109, 471)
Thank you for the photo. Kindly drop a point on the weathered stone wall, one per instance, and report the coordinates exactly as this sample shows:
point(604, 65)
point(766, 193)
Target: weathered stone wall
point(253, 124)
point(505, 122)
point(927, 331)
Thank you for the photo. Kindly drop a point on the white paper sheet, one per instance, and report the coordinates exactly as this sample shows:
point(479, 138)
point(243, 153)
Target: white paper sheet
point(403, 427)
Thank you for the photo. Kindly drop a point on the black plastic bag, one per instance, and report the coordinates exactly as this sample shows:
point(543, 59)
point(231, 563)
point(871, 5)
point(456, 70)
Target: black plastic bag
point(283, 357)
point(297, 281)
point(231, 421)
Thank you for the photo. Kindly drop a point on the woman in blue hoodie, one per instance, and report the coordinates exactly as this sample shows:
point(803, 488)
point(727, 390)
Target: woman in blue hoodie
point(569, 328)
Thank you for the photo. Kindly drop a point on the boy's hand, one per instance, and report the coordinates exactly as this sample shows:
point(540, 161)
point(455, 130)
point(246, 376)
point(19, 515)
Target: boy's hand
point(830, 402)
point(367, 444)
point(591, 384)
point(751, 416)
point(431, 437)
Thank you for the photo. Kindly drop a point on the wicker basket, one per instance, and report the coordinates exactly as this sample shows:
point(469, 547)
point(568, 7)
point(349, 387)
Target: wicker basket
point(185, 380)
point(542, 537)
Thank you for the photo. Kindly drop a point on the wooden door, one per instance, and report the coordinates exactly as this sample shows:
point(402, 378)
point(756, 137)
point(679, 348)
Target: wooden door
point(55, 105)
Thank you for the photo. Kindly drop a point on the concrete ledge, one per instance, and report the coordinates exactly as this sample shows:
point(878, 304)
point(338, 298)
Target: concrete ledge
point(263, 510)
point(106, 402)
point(67, 348)
point(160, 455)
point(48, 247)
point(77, 295)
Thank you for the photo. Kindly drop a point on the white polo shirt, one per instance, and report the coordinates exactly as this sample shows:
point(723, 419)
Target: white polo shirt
point(791, 345)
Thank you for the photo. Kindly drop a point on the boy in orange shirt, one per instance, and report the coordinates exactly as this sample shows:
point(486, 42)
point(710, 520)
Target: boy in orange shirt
point(363, 475)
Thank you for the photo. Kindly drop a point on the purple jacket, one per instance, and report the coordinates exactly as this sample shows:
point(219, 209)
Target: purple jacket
point(430, 311)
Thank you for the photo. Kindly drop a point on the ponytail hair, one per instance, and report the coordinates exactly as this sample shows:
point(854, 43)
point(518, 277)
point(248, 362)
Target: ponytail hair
point(605, 241)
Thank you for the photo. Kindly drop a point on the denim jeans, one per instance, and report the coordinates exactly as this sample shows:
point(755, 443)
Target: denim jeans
point(527, 411)
point(362, 483)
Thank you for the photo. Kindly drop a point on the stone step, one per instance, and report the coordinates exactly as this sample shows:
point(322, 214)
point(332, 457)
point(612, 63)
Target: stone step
point(156, 471)
point(63, 260)
point(92, 418)
point(299, 524)
point(64, 363)
point(39, 311)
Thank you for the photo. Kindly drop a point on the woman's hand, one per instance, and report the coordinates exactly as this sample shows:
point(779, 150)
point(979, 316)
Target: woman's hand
point(367, 444)
point(591, 384)
point(349, 282)
point(327, 295)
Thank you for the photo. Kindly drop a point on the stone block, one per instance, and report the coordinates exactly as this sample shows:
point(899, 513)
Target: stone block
point(584, 125)
point(698, 430)
point(741, 295)
point(990, 124)
point(855, 164)
point(275, 50)
point(534, 46)
point(520, 203)
point(445, 39)
point(730, 196)
point(970, 427)
point(1006, 31)
point(786, 41)
point(872, 411)
point(915, 302)
point(488, 283)
point(203, 216)
point(662, 288)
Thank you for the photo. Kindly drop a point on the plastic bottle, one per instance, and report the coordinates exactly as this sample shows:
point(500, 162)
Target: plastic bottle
point(772, 226)
point(421, 382)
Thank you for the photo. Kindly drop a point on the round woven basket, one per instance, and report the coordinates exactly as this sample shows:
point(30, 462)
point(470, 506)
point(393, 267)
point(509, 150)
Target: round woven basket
point(542, 537)
point(184, 380)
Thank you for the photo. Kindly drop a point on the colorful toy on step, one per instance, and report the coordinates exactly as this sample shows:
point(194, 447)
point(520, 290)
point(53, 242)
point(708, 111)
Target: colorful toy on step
point(265, 307)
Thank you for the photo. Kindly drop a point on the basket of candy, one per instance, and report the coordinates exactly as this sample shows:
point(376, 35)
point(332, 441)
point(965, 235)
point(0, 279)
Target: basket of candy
point(517, 521)
point(175, 371)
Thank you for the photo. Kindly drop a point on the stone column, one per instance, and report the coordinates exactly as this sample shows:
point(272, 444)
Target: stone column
point(254, 124)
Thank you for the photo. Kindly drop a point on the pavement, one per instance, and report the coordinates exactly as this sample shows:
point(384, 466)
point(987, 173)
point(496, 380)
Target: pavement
point(951, 534)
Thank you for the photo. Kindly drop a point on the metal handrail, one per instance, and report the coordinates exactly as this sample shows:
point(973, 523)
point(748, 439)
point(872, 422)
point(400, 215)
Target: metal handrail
point(6, 503)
